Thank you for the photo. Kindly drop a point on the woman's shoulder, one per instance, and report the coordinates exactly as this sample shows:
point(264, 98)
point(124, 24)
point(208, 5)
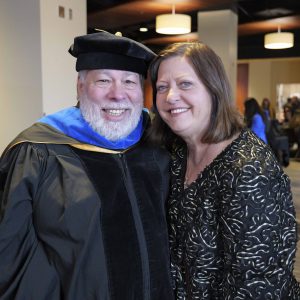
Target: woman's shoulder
point(252, 168)
point(248, 149)
point(257, 117)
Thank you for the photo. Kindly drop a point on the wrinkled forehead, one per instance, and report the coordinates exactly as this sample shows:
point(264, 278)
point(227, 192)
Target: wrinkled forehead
point(113, 72)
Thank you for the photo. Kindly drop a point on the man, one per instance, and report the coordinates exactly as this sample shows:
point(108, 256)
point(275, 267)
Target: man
point(82, 194)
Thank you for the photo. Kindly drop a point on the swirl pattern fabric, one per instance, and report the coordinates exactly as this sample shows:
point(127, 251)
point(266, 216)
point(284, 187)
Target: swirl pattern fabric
point(233, 230)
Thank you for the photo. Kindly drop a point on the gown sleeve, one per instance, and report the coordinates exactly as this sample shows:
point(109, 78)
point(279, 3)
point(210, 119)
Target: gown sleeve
point(25, 272)
point(260, 235)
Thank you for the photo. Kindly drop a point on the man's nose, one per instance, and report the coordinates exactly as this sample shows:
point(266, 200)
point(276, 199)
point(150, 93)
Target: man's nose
point(116, 91)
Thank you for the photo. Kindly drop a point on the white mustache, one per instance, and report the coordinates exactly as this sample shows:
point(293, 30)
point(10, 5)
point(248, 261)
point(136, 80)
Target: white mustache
point(116, 106)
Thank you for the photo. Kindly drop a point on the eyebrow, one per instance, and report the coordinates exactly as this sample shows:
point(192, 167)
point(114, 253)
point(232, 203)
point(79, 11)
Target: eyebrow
point(108, 72)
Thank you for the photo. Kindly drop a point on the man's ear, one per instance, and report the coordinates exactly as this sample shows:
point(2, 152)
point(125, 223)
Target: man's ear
point(79, 87)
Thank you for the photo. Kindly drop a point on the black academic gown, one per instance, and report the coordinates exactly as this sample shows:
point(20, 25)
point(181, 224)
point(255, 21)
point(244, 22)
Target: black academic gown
point(79, 222)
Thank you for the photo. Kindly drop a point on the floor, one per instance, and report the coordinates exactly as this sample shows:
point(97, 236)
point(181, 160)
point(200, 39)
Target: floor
point(293, 171)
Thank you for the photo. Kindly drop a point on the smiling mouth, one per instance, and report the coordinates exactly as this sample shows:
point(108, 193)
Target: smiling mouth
point(114, 112)
point(178, 110)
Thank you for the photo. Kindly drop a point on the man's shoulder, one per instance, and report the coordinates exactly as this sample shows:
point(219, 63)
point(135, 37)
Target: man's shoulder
point(39, 134)
point(146, 151)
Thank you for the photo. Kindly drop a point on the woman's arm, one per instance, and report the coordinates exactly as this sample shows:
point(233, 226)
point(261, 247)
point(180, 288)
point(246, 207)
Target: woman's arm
point(259, 235)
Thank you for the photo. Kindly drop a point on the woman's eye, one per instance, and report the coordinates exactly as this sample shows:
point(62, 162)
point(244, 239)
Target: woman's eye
point(161, 88)
point(185, 84)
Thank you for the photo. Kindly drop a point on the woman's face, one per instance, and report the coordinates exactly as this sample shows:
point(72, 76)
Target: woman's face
point(183, 101)
point(265, 103)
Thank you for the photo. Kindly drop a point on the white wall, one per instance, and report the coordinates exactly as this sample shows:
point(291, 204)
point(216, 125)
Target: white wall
point(37, 73)
point(58, 66)
point(20, 73)
point(266, 74)
point(260, 80)
point(218, 29)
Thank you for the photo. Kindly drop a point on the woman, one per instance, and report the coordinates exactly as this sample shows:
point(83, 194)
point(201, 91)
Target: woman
point(267, 109)
point(255, 118)
point(269, 113)
point(231, 216)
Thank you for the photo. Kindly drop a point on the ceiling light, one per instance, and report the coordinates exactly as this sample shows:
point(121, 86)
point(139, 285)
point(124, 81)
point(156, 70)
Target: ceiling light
point(173, 23)
point(279, 40)
point(143, 29)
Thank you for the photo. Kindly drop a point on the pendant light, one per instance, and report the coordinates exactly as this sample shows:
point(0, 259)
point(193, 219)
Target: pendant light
point(173, 23)
point(279, 40)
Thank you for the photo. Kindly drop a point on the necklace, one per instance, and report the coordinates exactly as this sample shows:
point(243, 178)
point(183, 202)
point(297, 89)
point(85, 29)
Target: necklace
point(206, 155)
point(194, 169)
point(187, 177)
point(185, 182)
point(190, 171)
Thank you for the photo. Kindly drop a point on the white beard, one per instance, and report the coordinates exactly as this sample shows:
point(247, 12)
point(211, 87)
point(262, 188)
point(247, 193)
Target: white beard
point(112, 131)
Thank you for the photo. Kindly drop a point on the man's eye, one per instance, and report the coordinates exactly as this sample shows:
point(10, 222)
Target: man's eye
point(103, 80)
point(130, 82)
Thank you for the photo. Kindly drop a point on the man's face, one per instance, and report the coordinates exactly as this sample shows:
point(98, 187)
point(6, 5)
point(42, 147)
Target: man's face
point(111, 101)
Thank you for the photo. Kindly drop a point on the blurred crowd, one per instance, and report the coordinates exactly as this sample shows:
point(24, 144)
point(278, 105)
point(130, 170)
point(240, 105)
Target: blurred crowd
point(283, 135)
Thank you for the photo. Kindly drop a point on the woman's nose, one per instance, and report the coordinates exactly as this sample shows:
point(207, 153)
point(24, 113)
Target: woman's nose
point(172, 96)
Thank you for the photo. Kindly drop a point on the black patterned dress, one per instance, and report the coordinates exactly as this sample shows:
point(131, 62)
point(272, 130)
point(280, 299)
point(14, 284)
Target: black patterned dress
point(233, 230)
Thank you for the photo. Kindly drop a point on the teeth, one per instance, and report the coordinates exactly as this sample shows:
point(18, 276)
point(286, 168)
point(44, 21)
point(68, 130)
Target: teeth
point(115, 112)
point(178, 110)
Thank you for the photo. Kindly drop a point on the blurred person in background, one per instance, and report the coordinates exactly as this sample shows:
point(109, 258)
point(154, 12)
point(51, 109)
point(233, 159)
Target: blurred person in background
point(295, 104)
point(268, 109)
point(255, 118)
